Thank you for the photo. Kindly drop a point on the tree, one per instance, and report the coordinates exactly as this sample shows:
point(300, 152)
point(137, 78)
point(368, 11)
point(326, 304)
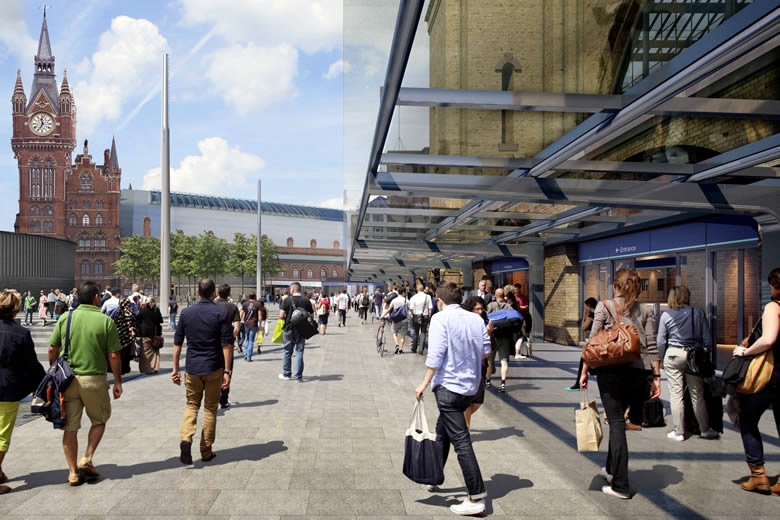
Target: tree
point(140, 257)
point(270, 257)
point(210, 256)
point(243, 252)
point(182, 255)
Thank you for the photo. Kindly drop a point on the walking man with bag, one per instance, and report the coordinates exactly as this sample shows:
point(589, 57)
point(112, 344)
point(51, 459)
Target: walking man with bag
point(234, 315)
point(209, 334)
point(458, 342)
point(89, 337)
point(292, 340)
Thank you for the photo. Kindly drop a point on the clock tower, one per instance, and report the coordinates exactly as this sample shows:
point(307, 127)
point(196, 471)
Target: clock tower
point(44, 132)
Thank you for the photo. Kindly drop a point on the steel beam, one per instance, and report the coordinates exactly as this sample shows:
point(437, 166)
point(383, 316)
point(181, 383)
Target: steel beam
point(436, 248)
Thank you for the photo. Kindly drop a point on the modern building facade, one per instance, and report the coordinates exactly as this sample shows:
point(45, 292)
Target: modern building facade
point(26, 263)
point(59, 198)
point(310, 239)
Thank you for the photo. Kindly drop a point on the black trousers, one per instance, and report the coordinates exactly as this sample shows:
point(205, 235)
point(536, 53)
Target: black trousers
point(752, 407)
point(342, 317)
point(451, 429)
point(224, 394)
point(620, 386)
point(419, 326)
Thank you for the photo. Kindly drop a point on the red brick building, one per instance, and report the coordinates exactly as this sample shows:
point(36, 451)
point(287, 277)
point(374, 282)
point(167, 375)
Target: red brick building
point(77, 202)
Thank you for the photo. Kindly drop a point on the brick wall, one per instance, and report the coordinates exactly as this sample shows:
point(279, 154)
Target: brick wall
point(561, 294)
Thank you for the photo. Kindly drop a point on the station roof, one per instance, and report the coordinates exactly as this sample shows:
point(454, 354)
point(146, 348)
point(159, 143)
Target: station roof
point(189, 200)
point(682, 59)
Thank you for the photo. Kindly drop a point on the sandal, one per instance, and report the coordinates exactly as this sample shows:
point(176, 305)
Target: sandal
point(76, 480)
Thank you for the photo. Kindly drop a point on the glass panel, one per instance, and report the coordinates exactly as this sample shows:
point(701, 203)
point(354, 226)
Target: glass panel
point(693, 274)
point(604, 277)
point(590, 287)
point(752, 293)
point(658, 274)
point(726, 273)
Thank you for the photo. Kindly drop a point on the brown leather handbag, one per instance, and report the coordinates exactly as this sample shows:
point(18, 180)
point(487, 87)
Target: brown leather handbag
point(616, 345)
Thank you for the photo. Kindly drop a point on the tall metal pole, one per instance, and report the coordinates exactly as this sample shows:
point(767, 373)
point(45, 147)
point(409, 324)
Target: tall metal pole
point(259, 242)
point(165, 196)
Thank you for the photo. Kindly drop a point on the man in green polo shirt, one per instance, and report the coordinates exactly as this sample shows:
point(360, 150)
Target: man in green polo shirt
point(93, 337)
point(29, 306)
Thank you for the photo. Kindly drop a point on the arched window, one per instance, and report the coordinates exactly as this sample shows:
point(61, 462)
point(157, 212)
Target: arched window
point(323, 274)
point(35, 226)
point(48, 226)
point(100, 241)
point(48, 210)
point(335, 274)
point(72, 219)
point(35, 210)
point(35, 179)
point(99, 219)
point(296, 274)
point(289, 242)
point(86, 182)
point(85, 267)
point(309, 273)
point(314, 244)
point(48, 180)
point(85, 220)
point(99, 267)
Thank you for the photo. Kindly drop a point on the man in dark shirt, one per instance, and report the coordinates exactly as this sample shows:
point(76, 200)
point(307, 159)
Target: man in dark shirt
point(235, 320)
point(291, 339)
point(209, 350)
point(250, 315)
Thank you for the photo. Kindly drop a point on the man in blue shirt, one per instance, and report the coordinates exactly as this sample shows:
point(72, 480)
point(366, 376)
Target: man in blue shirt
point(457, 342)
point(209, 335)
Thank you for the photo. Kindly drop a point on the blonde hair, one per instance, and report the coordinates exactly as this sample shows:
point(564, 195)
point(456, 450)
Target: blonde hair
point(678, 297)
point(629, 284)
point(509, 289)
point(10, 304)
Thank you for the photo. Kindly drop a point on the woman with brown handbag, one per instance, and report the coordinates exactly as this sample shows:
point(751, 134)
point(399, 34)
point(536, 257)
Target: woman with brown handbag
point(623, 385)
point(753, 406)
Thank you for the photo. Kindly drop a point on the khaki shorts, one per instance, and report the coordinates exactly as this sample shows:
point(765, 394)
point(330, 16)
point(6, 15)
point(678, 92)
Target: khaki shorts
point(90, 392)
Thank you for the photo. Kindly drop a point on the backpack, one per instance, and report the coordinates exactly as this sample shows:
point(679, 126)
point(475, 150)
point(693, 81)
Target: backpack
point(48, 399)
point(399, 314)
point(390, 297)
point(113, 313)
point(302, 322)
point(365, 301)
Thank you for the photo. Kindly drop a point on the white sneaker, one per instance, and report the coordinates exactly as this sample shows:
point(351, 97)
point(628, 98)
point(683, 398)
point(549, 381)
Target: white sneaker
point(467, 508)
point(433, 488)
point(606, 475)
point(710, 434)
point(607, 490)
point(673, 435)
point(284, 377)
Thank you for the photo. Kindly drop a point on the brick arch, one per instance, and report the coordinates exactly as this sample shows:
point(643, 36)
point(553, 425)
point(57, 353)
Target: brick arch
point(34, 157)
point(306, 270)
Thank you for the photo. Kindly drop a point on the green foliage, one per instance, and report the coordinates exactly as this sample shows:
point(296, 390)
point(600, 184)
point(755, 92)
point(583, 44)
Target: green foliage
point(271, 265)
point(183, 254)
point(211, 253)
point(140, 257)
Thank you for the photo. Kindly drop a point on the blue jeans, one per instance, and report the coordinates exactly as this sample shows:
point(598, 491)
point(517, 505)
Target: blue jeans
point(28, 316)
point(173, 320)
point(378, 310)
point(249, 344)
point(293, 341)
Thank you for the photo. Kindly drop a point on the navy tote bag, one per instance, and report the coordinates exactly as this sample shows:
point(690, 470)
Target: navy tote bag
point(422, 455)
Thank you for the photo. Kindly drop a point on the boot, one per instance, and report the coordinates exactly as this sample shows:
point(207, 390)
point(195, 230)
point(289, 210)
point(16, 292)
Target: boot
point(757, 481)
point(775, 490)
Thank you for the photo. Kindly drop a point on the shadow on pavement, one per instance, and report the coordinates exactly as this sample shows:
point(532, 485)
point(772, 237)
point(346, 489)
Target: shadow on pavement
point(251, 452)
point(498, 486)
point(253, 404)
point(494, 435)
point(660, 477)
point(332, 377)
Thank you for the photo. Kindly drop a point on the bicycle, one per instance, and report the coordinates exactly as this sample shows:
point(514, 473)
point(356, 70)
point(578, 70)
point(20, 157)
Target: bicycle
point(380, 338)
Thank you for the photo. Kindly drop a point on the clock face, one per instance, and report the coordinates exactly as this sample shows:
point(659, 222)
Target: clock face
point(42, 123)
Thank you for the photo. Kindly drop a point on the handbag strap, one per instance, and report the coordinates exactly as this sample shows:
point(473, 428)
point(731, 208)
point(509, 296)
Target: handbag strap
point(67, 335)
point(585, 392)
point(617, 320)
point(419, 420)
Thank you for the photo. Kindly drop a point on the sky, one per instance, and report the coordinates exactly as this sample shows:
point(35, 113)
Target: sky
point(256, 91)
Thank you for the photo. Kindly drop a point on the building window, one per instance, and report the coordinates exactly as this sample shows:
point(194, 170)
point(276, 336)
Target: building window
point(99, 267)
point(35, 180)
point(86, 182)
point(83, 242)
point(335, 274)
point(100, 241)
point(48, 226)
point(48, 210)
point(323, 274)
point(99, 204)
point(98, 219)
point(72, 220)
point(85, 267)
point(85, 220)
point(35, 226)
point(309, 273)
point(295, 274)
point(35, 210)
point(48, 180)
point(86, 204)
point(71, 204)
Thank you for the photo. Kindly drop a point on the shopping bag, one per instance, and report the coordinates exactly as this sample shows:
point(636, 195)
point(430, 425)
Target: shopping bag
point(260, 336)
point(589, 431)
point(422, 453)
point(653, 414)
point(278, 332)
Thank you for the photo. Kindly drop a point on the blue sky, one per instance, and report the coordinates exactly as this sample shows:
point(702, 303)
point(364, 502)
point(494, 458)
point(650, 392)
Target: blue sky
point(256, 91)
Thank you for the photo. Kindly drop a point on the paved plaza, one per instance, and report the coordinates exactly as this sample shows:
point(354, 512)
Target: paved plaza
point(332, 447)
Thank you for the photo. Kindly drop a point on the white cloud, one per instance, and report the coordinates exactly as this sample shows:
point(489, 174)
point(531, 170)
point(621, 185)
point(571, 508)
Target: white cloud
point(336, 69)
point(14, 38)
point(251, 78)
point(310, 25)
point(126, 61)
point(335, 203)
point(219, 170)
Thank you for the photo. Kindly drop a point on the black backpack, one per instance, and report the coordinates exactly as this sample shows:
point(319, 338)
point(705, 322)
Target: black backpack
point(302, 322)
point(365, 301)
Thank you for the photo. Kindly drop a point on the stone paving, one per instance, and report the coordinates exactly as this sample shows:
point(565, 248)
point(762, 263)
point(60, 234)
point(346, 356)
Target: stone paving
point(332, 447)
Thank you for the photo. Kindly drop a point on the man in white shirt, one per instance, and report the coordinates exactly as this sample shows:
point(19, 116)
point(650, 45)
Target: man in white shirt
point(112, 303)
point(420, 306)
point(342, 304)
point(458, 343)
point(400, 328)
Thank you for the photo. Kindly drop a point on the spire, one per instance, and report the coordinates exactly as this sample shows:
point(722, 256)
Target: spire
point(44, 47)
point(19, 87)
point(18, 100)
point(113, 161)
point(65, 89)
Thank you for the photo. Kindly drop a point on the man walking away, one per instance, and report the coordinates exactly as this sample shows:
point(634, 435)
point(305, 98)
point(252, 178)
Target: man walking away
point(400, 328)
point(93, 338)
point(250, 314)
point(342, 303)
point(379, 298)
point(291, 339)
point(504, 338)
point(173, 309)
point(458, 342)
point(420, 306)
point(365, 301)
point(206, 327)
point(111, 303)
point(234, 316)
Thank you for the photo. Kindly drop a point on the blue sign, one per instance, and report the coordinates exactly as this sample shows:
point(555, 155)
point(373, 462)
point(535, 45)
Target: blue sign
point(733, 229)
point(507, 265)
